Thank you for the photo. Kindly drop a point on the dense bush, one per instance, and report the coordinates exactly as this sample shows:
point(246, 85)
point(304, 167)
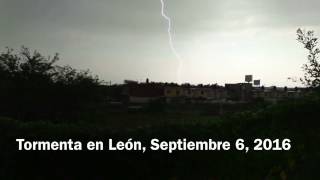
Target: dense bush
point(297, 120)
point(33, 87)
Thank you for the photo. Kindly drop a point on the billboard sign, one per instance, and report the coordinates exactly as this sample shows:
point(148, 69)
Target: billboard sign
point(248, 78)
point(256, 82)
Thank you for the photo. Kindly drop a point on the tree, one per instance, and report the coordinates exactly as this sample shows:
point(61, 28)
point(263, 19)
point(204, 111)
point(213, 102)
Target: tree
point(27, 66)
point(312, 67)
point(33, 86)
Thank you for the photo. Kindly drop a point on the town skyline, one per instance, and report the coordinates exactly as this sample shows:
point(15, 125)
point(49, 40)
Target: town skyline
point(149, 81)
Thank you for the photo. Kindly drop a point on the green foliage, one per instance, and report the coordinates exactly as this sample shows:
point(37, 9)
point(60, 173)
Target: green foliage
point(33, 87)
point(295, 119)
point(312, 68)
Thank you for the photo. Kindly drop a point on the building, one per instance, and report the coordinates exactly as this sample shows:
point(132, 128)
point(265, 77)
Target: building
point(143, 93)
point(239, 92)
point(135, 92)
point(274, 94)
point(190, 93)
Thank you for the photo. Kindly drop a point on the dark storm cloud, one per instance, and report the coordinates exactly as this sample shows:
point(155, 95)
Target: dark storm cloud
point(104, 35)
point(142, 16)
point(94, 16)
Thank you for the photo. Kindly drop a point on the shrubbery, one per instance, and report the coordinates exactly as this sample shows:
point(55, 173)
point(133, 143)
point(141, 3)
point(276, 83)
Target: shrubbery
point(297, 120)
point(33, 87)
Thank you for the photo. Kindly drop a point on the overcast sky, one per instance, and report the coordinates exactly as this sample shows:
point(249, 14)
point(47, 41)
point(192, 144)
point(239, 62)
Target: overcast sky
point(219, 40)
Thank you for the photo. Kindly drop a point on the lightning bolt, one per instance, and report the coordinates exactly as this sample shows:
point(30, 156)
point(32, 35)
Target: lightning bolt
point(175, 52)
